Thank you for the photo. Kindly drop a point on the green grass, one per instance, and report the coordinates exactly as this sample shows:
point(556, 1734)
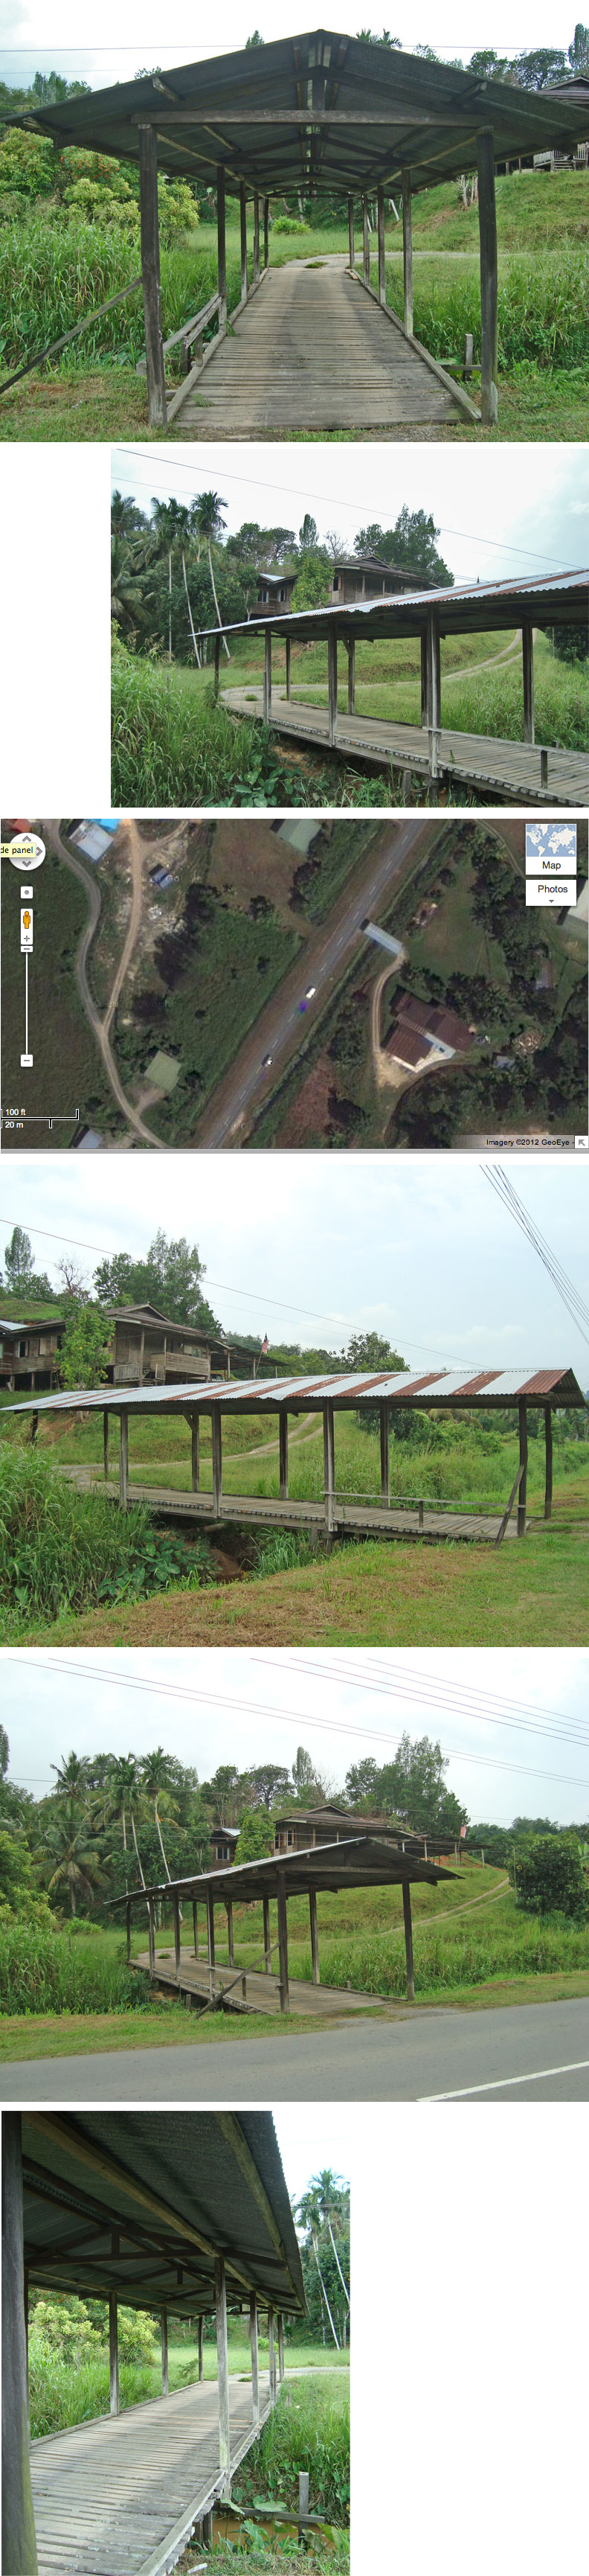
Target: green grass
point(309, 2429)
point(59, 1547)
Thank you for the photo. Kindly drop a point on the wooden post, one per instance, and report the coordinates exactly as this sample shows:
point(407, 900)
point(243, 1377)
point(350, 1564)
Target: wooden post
point(523, 1460)
point(424, 679)
point(217, 1447)
point(266, 1915)
point(384, 1454)
point(544, 769)
point(105, 1432)
point(150, 277)
point(332, 684)
point(280, 2325)
point(176, 1914)
point(211, 1940)
point(314, 1939)
point(365, 242)
point(221, 248)
point(287, 641)
point(266, 220)
point(256, 238)
point(351, 676)
point(243, 239)
point(19, 2547)
point(128, 1924)
point(222, 2367)
point(283, 1452)
point(433, 690)
point(151, 1914)
point(382, 297)
point(408, 1941)
point(407, 254)
point(195, 1926)
point(271, 2357)
point(113, 2352)
point(351, 231)
point(282, 1941)
point(124, 1460)
point(34, 1424)
point(255, 2359)
point(488, 257)
point(528, 663)
point(303, 2505)
point(548, 1448)
point(165, 2370)
point(195, 1448)
point(26, 2319)
point(200, 2359)
point(217, 660)
point(229, 1912)
point(268, 676)
point(328, 1465)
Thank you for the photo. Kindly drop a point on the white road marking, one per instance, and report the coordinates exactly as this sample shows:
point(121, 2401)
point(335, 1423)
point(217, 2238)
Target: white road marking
point(540, 2075)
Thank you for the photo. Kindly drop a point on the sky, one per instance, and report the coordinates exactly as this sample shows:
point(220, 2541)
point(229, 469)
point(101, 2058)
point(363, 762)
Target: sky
point(310, 1248)
point(106, 55)
point(514, 1730)
point(535, 519)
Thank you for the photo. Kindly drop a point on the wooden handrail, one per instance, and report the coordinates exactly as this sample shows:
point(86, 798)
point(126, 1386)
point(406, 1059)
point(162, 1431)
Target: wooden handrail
point(189, 331)
point(53, 346)
point(507, 1514)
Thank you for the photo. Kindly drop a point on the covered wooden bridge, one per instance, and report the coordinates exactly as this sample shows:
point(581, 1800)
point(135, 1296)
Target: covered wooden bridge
point(529, 772)
point(337, 1512)
point(305, 116)
point(180, 2212)
point(354, 1858)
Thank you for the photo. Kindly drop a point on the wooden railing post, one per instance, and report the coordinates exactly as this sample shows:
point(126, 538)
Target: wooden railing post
point(256, 238)
point(151, 1915)
point(351, 676)
point(195, 1451)
point(165, 2369)
point(222, 2369)
point(267, 1951)
point(548, 1449)
point(381, 267)
point(282, 1941)
point(200, 2358)
point(268, 676)
point(407, 254)
point(221, 250)
point(280, 2325)
point(176, 1914)
point(365, 243)
point(332, 684)
point(408, 1941)
point(488, 259)
point(314, 1936)
point(255, 2359)
point(287, 641)
point(523, 1460)
point(128, 1928)
point(124, 1460)
point(271, 2357)
point(211, 1941)
point(424, 682)
point(150, 277)
point(528, 671)
point(243, 239)
point(384, 1455)
point(195, 1926)
point(329, 1465)
point(229, 1912)
point(217, 1448)
point(283, 1453)
point(433, 691)
point(113, 2352)
point(266, 224)
point(105, 1432)
point(351, 230)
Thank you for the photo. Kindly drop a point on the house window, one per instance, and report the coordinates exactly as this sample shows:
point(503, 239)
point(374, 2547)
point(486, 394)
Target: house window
point(282, 593)
point(336, 581)
point(289, 1835)
point(22, 1350)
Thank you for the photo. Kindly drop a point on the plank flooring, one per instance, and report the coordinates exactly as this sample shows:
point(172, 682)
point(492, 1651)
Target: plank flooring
point(313, 351)
point(505, 769)
point(262, 1993)
point(268, 1511)
point(113, 2498)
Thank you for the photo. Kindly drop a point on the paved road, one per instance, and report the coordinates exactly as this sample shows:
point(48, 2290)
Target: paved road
point(521, 2053)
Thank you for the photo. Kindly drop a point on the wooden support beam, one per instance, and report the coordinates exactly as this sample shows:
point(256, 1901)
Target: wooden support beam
point(332, 684)
point(176, 1914)
point(407, 255)
point(195, 1926)
point(329, 1465)
point(255, 2359)
point(19, 2547)
point(303, 2506)
point(266, 223)
point(243, 240)
point(351, 230)
point(256, 238)
point(222, 2369)
point(217, 1448)
point(351, 649)
point(26, 2319)
point(268, 676)
point(150, 277)
point(523, 1460)
point(229, 1911)
point(165, 2369)
point(314, 1937)
point(385, 1486)
point(408, 1941)
point(266, 1915)
point(288, 666)
point(488, 260)
point(217, 660)
point(124, 1460)
point(280, 2325)
point(195, 1451)
point(211, 1940)
point(282, 1941)
point(271, 2357)
point(365, 243)
point(528, 669)
point(433, 691)
point(105, 1432)
point(113, 2351)
point(283, 1452)
point(382, 297)
point(151, 1914)
point(221, 249)
point(548, 1449)
point(200, 2358)
point(423, 645)
point(128, 1928)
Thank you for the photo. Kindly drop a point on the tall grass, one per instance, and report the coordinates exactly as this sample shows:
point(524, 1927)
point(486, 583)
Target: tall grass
point(53, 275)
point(61, 1549)
point(454, 1956)
point(52, 1972)
point(308, 2430)
point(171, 744)
point(543, 310)
point(64, 2393)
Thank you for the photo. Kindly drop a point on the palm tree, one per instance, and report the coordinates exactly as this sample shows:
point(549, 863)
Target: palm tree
point(122, 1787)
point(311, 2213)
point(155, 1773)
point(70, 1777)
point(76, 1867)
point(206, 516)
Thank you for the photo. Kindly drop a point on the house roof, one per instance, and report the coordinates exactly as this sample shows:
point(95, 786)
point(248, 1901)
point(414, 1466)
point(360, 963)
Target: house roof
point(315, 111)
point(482, 607)
point(153, 1315)
point(141, 2202)
point(29, 1323)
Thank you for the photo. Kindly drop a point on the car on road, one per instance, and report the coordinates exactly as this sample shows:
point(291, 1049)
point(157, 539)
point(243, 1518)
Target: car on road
point(266, 1060)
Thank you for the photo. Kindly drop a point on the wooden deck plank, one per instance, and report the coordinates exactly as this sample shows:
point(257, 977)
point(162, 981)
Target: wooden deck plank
point(478, 760)
point(312, 351)
point(110, 2497)
point(269, 1511)
point(263, 1993)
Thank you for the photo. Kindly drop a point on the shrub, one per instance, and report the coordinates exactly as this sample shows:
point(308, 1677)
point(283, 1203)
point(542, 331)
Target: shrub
point(550, 1878)
point(289, 224)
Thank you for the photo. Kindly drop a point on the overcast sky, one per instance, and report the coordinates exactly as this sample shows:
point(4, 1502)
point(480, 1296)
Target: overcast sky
point(535, 519)
point(104, 55)
point(313, 1247)
point(515, 1728)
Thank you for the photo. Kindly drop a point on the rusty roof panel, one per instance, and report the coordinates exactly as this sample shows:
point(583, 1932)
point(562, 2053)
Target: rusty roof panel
point(401, 1386)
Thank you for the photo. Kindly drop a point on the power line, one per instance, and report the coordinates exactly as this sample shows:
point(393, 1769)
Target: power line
point(564, 1286)
point(258, 483)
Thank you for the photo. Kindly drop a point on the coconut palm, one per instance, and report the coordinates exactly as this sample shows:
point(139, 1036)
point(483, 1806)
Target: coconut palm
point(70, 1777)
point(155, 1773)
point(76, 1867)
point(207, 519)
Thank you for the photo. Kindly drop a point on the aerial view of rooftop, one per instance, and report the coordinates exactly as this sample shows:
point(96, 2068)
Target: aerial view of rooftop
point(309, 981)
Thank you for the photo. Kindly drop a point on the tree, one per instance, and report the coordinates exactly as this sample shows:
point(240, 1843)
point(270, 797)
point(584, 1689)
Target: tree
point(268, 1783)
point(154, 1780)
point(361, 1780)
point(86, 1347)
point(323, 2211)
point(208, 520)
point(170, 1277)
point(303, 1772)
point(72, 1860)
point(308, 535)
point(18, 1255)
point(123, 1781)
point(313, 582)
point(71, 1777)
point(256, 1837)
point(550, 1878)
point(370, 1351)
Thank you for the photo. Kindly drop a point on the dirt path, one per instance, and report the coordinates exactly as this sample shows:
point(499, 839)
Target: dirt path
point(134, 924)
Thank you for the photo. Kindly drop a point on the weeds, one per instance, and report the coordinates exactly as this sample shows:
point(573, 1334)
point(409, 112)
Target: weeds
point(308, 2430)
point(61, 1549)
point(48, 1971)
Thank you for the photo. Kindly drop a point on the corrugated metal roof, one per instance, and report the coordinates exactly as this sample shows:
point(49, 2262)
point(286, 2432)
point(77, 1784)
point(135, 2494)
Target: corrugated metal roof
point(399, 1386)
point(481, 595)
point(355, 1854)
point(181, 2186)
